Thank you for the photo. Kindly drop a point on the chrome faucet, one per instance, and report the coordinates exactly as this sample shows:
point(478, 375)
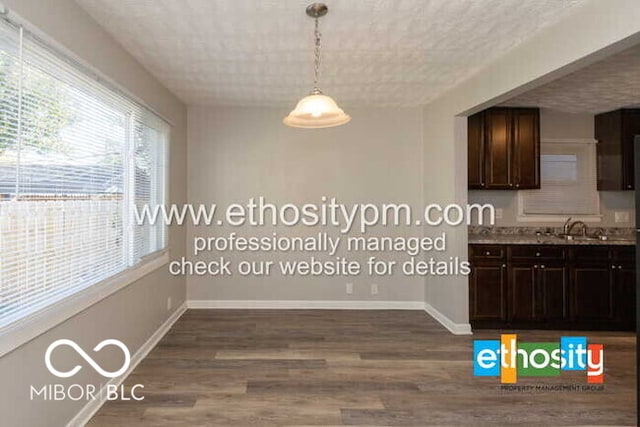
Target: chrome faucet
point(574, 224)
point(600, 233)
point(565, 227)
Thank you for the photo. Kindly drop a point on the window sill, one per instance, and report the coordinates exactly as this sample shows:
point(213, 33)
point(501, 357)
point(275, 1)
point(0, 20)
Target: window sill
point(560, 219)
point(24, 330)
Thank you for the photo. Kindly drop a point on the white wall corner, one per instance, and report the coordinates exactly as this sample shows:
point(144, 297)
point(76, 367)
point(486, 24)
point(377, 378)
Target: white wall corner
point(454, 328)
point(91, 408)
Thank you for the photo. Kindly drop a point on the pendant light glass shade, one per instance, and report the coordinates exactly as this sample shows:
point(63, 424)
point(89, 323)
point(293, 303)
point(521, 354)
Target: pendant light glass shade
point(316, 111)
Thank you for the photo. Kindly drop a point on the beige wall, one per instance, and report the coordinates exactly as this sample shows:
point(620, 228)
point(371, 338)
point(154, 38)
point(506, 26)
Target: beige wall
point(135, 312)
point(592, 32)
point(560, 125)
point(238, 153)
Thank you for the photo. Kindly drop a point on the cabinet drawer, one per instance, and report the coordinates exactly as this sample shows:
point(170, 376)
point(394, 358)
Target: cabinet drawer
point(623, 253)
point(592, 253)
point(487, 252)
point(536, 252)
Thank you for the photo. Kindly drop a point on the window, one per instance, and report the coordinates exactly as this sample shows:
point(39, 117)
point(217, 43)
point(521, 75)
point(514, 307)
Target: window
point(75, 156)
point(568, 181)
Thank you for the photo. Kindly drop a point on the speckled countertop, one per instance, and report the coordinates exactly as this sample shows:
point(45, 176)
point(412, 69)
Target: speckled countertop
point(546, 236)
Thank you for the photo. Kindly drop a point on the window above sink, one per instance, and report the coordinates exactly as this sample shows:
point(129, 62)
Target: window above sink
point(568, 183)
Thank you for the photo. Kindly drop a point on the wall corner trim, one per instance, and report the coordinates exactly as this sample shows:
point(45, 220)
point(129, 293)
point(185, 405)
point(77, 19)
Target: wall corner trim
point(92, 406)
point(454, 328)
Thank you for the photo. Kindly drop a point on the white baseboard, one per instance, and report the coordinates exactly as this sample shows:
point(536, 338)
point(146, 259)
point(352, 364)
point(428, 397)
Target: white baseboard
point(454, 328)
point(92, 406)
point(305, 305)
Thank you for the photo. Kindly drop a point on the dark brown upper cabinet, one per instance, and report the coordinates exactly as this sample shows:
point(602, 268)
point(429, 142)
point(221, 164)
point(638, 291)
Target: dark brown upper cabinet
point(615, 131)
point(504, 149)
point(475, 139)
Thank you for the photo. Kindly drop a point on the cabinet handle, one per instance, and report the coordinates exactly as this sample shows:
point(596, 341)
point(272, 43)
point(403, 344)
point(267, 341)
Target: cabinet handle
point(488, 253)
point(628, 185)
point(542, 266)
point(517, 185)
point(537, 253)
point(613, 267)
point(535, 266)
point(504, 265)
point(619, 267)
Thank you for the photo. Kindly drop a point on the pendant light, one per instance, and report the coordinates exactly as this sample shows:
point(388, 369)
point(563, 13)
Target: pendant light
point(316, 110)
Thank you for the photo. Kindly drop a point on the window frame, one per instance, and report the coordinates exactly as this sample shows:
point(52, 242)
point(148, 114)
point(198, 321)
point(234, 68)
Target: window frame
point(25, 329)
point(562, 217)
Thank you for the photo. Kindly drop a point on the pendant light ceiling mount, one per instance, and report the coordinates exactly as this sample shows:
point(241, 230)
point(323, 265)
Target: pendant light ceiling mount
point(317, 10)
point(316, 110)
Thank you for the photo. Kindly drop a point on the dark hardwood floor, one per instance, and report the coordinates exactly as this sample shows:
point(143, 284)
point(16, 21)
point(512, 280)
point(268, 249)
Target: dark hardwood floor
point(316, 367)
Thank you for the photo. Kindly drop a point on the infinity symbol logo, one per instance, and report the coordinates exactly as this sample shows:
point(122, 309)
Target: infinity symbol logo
point(85, 356)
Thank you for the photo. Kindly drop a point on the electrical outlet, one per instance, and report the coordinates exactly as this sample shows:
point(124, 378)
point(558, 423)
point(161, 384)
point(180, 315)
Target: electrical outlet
point(349, 288)
point(621, 216)
point(374, 289)
point(169, 303)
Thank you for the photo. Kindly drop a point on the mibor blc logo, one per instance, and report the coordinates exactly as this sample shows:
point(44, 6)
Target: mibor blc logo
point(86, 391)
point(87, 358)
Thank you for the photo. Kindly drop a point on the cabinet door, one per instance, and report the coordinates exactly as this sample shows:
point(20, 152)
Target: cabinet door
point(592, 287)
point(608, 132)
point(615, 131)
point(552, 292)
point(498, 142)
point(625, 296)
point(526, 148)
point(522, 292)
point(487, 292)
point(475, 143)
point(630, 128)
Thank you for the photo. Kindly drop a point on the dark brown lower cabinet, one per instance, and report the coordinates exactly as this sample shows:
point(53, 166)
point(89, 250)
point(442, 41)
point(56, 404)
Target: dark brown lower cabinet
point(625, 284)
point(487, 286)
point(552, 287)
point(537, 292)
point(554, 282)
point(523, 292)
point(592, 292)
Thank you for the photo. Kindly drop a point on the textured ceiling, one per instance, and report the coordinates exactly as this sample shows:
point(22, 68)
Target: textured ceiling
point(604, 86)
point(381, 52)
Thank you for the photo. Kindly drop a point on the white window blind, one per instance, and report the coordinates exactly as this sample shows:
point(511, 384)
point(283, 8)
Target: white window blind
point(75, 156)
point(568, 181)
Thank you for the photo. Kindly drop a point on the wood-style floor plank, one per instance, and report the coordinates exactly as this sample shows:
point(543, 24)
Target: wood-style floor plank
point(368, 368)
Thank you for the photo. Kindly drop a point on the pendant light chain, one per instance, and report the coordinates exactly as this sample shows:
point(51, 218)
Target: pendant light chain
point(317, 59)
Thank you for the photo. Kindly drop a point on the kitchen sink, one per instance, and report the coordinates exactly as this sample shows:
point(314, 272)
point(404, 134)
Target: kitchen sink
point(581, 238)
point(572, 237)
point(618, 239)
point(603, 238)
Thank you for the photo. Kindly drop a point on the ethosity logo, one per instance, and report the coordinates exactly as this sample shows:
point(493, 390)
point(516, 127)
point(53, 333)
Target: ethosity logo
point(508, 359)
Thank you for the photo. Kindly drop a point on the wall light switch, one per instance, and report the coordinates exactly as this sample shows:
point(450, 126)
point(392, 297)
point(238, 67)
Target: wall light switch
point(621, 216)
point(498, 213)
point(349, 288)
point(374, 289)
point(169, 303)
